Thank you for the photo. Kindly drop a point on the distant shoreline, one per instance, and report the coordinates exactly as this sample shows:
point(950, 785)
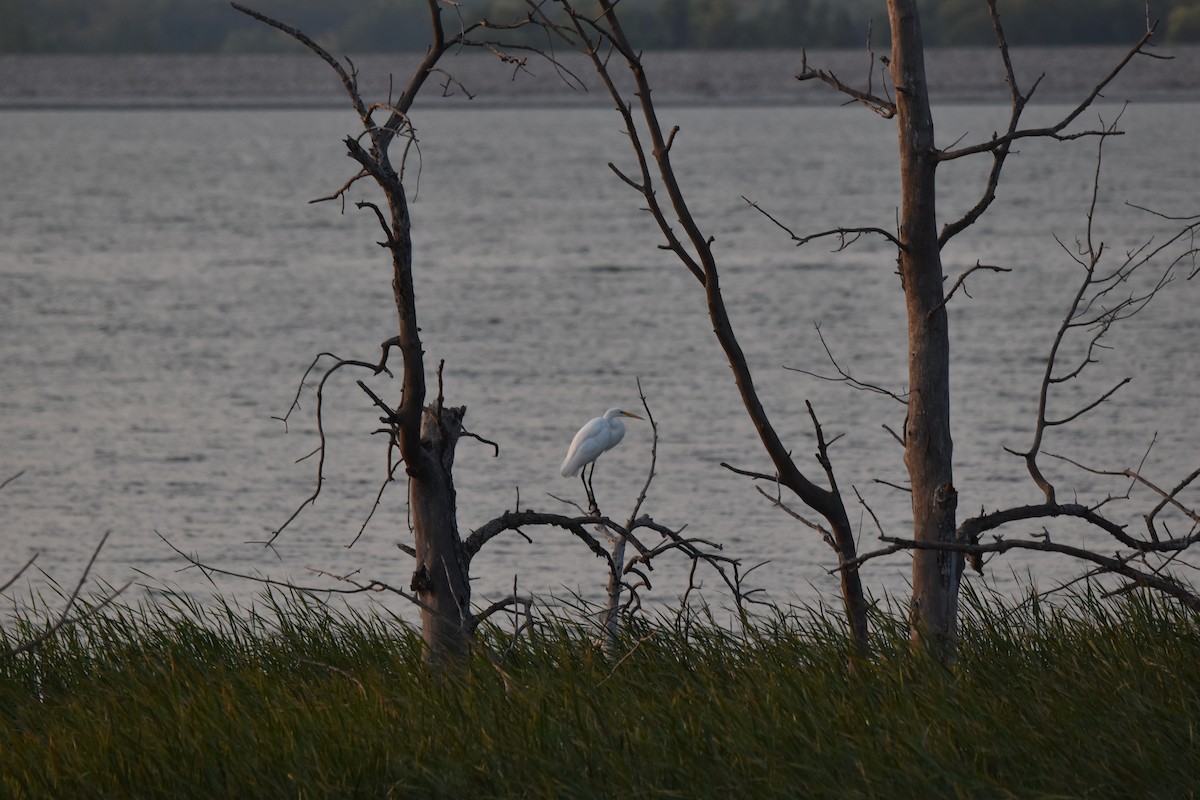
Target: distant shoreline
point(717, 78)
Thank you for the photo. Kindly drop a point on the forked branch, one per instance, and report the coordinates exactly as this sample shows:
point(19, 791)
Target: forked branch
point(600, 38)
point(1095, 291)
point(1000, 145)
point(883, 106)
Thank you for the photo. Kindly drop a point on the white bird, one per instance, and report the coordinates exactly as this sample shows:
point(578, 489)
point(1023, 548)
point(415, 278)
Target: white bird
point(597, 436)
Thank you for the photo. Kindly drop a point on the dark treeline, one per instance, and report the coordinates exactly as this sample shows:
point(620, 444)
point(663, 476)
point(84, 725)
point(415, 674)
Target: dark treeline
point(359, 26)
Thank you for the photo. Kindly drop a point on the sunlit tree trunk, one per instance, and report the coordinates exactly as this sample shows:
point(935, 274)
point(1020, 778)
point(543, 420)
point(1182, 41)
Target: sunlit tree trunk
point(441, 580)
point(928, 449)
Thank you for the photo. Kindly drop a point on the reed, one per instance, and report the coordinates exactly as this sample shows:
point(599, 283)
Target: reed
point(292, 698)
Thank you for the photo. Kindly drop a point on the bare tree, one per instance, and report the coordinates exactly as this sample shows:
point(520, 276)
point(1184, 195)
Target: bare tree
point(939, 543)
point(424, 436)
point(598, 38)
point(423, 432)
point(1105, 296)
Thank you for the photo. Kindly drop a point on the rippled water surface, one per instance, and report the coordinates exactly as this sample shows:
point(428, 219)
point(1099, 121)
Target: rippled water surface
point(164, 284)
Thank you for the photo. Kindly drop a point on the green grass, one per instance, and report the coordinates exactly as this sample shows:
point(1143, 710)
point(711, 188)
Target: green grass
point(1094, 699)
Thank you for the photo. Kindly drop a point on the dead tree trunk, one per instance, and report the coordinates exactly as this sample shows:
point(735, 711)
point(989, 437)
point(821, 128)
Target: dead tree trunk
point(928, 449)
point(441, 579)
point(425, 437)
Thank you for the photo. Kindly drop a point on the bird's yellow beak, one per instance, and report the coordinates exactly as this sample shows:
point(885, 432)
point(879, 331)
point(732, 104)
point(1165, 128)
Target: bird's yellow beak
point(630, 414)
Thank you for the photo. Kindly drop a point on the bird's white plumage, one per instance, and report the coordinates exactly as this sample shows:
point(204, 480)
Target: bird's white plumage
point(597, 436)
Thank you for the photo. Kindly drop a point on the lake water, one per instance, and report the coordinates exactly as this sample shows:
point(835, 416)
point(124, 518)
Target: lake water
point(164, 283)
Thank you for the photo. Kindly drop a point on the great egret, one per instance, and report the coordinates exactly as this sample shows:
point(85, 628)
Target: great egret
point(597, 436)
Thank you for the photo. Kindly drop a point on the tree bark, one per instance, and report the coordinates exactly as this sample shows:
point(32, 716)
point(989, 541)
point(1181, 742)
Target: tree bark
point(427, 438)
point(928, 448)
point(441, 580)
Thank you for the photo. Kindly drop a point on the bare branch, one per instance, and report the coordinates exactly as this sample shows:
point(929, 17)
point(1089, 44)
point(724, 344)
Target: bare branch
point(391, 473)
point(961, 281)
point(513, 520)
point(846, 236)
point(511, 601)
point(349, 79)
point(1000, 145)
point(1106, 564)
point(896, 486)
point(495, 447)
point(320, 451)
point(846, 377)
point(970, 530)
point(874, 518)
point(650, 472)
point(1089, 406)
point(761, 476)
point(10, 479)
point(883, 106)
point(1055, 131)
point(1168, 497)
point(17, 575)
point(357, 586)
point(896, 436)
point(1001, 148)
point(340, 194)
point(777, 501)
point(1048, 375)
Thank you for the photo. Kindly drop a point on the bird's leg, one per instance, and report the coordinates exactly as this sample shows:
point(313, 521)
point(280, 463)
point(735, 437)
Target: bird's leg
point(586, 475)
